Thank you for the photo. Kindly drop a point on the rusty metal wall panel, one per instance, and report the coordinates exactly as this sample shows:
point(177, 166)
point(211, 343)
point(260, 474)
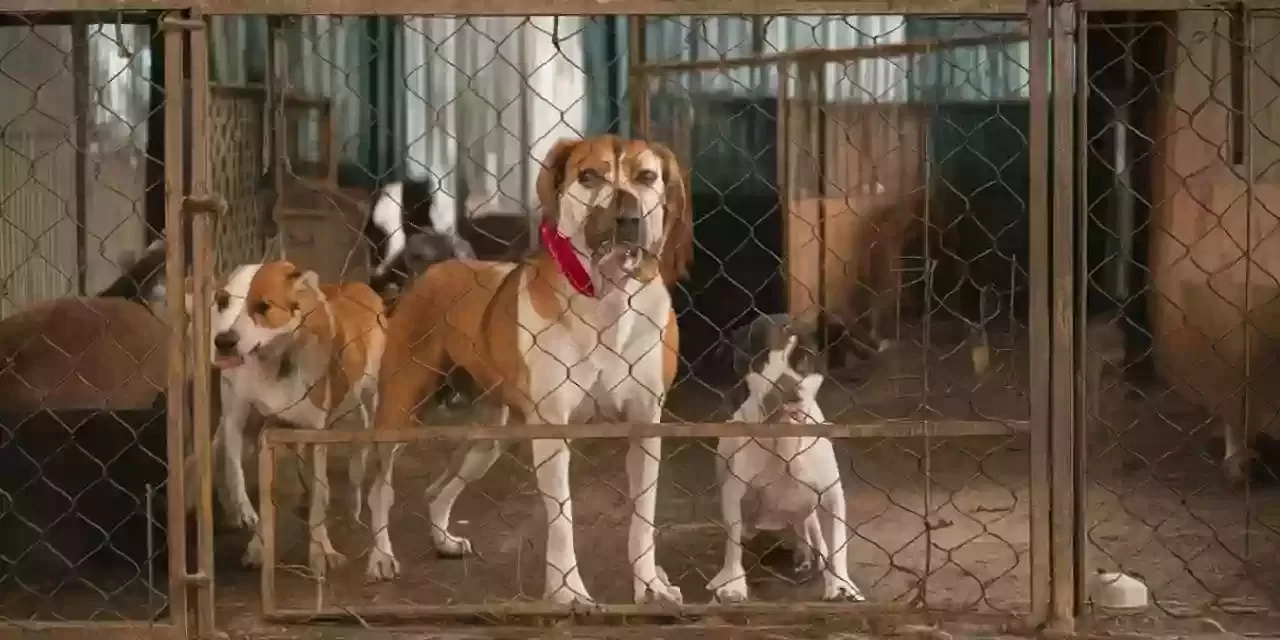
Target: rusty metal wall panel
point(488, 97)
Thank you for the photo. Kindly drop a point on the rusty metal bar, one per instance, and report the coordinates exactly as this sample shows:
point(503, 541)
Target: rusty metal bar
point(592, 431)
point(820, 56)
point(175, 275)
point(267, 523)
point(595, 7)
point(1038, 313)
point(1246, 142)
point(503, 613)
point(277, 77)
point(1079, 479)
point(80, 98)
point(1062, 332)
point(201, 205)
point(786, 181)
point(641, 112)
point(98, 630)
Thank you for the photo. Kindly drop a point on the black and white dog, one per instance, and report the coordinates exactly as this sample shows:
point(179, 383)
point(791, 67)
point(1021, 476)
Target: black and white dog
point(408, 233)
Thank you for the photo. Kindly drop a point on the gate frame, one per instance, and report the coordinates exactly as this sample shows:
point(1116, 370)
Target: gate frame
point(1052, 337)
point(1052, 297)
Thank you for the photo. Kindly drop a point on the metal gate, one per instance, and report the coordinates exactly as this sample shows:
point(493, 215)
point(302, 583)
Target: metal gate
point(836, 183)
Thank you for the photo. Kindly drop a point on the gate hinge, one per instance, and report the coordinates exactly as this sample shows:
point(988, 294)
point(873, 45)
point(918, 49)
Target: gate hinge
point(198, 579)
point(172, 22)
point(204, 203)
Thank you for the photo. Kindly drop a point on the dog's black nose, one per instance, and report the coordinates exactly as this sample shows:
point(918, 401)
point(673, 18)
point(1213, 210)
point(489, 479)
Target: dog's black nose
point(627, 230)
point(226, 341)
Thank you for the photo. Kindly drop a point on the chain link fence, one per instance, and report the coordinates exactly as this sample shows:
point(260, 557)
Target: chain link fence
point(1174, 156)
point(82, 422)
point(841, 172)
point(95, 380)
point(894, 192)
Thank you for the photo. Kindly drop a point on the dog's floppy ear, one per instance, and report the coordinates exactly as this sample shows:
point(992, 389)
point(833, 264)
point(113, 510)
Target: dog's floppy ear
point(552, 176)
point(303, 280)
point(677, 247)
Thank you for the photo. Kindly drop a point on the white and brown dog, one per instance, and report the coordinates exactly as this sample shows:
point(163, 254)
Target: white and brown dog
point(582, 328)
point(791, 478)
point(300, 353)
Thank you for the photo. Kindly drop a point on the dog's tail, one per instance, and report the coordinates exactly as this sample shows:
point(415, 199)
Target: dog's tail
point(142, 274)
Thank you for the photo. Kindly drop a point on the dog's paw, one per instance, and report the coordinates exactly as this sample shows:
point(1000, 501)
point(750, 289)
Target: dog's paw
point(729, 587)
point(382, 566)
point(575, 596)
point(252, 557)
point(657, 590)
point(321, 559)
point(243, 516)
point(802, 559)
point(839, 589)
point(450, 546)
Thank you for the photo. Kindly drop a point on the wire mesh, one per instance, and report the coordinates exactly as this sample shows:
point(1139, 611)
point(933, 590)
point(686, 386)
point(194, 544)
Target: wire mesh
point(82, 425)
point(1174, 153)
point(830, 175)
point(872, 186)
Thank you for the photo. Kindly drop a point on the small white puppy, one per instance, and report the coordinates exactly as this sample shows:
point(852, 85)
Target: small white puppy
point(790, 478)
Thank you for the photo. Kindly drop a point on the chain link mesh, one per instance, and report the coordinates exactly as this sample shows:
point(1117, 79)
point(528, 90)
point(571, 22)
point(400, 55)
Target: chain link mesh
point(863, 181)
point(82, 426)
point(829, 181)
point(1178, 150)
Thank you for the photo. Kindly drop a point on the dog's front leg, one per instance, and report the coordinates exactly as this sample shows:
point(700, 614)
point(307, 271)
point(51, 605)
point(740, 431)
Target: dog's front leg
point(480, 457)
point(730, 585)
point(644, 461)
point(382, 560)
point(322, 555)
point(551, 465)
point(811, 546)
point(358, 456)
point(235, 414)
point(835, 575)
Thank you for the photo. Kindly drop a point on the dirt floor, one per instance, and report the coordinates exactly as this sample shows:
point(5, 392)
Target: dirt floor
point(945, 519)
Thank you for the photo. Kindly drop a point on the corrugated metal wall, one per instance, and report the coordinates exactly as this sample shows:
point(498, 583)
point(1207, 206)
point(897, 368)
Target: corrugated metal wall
point(38, 208)
point(735, 109)
point(487, 98)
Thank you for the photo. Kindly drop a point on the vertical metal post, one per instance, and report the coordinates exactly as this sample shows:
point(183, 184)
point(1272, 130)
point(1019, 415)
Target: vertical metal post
point(1080, 506)
point(202, 276)
point(640, 108)
point(1038, 311)
point(80, 98)
point(175, 275)
point(267, 522)
point(279, 73)
point(1062, 360)
point(782, 143)
point(1244, 15)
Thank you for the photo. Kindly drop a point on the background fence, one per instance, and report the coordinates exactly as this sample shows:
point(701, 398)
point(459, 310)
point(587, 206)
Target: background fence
point(1037, 254)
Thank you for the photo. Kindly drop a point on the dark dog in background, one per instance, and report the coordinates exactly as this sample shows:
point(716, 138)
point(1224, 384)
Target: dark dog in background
point(407, 234)
point(82, 431)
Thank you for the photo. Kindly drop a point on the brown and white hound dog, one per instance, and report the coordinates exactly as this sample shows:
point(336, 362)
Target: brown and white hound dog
point(583, 328)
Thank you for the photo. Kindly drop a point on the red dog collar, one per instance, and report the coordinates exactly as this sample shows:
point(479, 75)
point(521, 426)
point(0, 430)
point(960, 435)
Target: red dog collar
point(561, 250)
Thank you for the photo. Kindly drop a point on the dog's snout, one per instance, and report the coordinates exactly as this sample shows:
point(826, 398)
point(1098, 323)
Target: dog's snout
point(627, 230)
point(226, 341)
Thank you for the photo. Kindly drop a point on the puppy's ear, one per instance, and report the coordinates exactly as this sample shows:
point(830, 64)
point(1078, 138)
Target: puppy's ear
point(790, 346)
point(303, 280)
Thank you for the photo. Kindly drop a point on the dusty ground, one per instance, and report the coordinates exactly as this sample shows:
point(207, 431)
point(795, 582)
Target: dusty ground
point(1157, 507)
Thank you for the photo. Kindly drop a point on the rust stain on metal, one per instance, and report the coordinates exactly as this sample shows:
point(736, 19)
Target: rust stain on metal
point(536, 7)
